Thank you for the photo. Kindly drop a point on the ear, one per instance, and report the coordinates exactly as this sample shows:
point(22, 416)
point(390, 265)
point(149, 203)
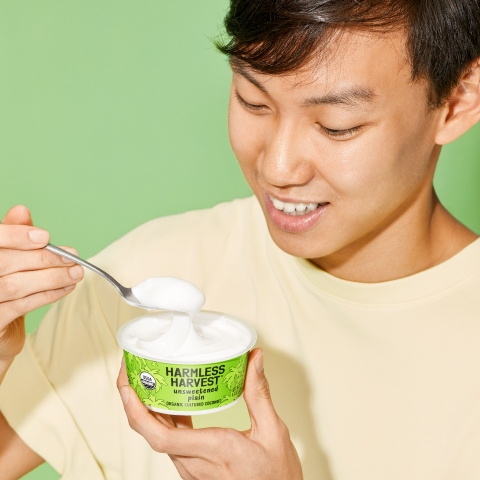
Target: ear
point(462, 110)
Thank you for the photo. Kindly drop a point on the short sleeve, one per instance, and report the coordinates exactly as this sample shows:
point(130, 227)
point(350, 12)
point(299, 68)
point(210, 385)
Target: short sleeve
point(35, 411)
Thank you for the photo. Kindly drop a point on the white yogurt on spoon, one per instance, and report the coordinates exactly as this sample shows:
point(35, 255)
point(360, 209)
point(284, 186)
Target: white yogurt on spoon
point(185, 334)
point(170, 293)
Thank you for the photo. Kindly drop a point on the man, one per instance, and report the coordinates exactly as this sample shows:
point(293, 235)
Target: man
point(362, 287)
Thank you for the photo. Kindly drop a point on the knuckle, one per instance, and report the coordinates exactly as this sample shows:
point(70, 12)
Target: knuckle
point(9, 287)
point(133, 419)
point(226, 439)
point(283, 429)
point(158, 444)
point(20, 307)
point(132, 424)
point(49, 296)
point(31, 302)
point(20, 235)
point(12, 310)
point(229, 434)
point(46, 258)
point(264, 390)
point(5, 260)
point(120, 383)
point(57, 277)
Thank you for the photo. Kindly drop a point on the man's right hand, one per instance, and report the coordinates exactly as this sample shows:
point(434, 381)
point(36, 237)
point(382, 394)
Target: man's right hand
point(30, 277)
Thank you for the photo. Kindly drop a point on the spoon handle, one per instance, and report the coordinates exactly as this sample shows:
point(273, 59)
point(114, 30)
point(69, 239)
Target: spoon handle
point(84, 263)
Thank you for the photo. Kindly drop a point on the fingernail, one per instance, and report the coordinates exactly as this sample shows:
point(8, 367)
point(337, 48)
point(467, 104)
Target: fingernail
point(70, 287)
point(38, 236)
point(76, 272)
point(67, 260)
point(124, 393)
point(123, 361)
point(259, 363)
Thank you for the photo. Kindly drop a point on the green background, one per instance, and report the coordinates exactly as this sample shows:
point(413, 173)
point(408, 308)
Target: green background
point(114, 112)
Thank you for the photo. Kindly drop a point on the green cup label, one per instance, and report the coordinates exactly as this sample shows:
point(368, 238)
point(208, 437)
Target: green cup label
point(186, 387)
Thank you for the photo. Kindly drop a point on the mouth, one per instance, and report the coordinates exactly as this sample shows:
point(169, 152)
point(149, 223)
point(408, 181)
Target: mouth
point(294, 217)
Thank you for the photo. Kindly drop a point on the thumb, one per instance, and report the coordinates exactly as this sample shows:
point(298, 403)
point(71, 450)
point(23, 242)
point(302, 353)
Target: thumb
point(18, 215)
point(257, 394)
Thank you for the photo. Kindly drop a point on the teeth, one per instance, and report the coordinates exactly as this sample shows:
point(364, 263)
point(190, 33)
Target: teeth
point(294, 209)
point(278, 204)
point(301, 207)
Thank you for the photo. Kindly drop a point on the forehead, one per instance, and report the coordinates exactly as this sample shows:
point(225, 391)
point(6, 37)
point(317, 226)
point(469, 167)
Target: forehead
point(370, 65)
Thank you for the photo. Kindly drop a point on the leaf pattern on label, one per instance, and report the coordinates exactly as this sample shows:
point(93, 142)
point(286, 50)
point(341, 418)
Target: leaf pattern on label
point(235, 379)
point(135, 366)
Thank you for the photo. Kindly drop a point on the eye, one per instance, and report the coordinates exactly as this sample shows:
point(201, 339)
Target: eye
point(249, 106)
point(340, 134)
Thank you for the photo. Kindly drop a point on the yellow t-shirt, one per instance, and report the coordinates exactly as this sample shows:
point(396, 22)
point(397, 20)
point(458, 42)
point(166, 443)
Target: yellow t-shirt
point(375, 381)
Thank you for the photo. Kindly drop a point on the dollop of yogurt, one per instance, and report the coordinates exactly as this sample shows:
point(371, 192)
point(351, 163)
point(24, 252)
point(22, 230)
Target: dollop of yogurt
point(183, 333)
point(170, 293)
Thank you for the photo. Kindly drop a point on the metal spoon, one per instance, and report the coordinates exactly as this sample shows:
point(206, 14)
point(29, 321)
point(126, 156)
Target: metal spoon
point(125, 292)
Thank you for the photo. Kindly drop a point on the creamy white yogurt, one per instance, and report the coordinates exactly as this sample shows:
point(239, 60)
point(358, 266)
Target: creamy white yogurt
point(170, 293)
point(174, 335)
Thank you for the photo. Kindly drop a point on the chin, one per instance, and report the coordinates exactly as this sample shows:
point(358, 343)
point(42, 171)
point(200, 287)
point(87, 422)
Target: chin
point(302, 245)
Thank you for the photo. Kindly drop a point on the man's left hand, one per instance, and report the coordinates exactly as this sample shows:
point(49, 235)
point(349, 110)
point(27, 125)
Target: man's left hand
point(265, 452)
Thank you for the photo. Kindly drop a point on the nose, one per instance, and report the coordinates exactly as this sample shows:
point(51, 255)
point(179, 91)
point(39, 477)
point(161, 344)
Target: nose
point(284, 161)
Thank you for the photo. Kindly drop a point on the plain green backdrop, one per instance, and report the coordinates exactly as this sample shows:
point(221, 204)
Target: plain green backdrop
point(114, 112)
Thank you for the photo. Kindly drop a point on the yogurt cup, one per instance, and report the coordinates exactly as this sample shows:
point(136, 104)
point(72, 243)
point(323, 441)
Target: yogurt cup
point(190, 387)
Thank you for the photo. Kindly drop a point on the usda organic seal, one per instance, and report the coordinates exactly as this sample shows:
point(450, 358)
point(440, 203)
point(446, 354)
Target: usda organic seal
point(148, 381)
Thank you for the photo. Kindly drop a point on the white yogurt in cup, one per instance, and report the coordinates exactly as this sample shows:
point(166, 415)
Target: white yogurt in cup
point(183, 361)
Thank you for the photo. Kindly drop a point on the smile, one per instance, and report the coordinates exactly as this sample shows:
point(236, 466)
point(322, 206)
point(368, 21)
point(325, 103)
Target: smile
point(295, 209)
point(294, 217)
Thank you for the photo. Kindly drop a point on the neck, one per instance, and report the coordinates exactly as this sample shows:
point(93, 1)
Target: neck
point(419, 236)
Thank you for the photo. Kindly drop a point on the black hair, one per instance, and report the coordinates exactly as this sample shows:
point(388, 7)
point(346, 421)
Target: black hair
point(280, 36)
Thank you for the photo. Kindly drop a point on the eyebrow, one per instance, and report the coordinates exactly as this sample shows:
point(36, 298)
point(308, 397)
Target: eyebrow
point(349, 97)
point(245, 74)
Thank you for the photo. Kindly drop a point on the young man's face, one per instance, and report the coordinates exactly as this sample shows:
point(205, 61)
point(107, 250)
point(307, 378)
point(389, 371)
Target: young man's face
point(352, 138)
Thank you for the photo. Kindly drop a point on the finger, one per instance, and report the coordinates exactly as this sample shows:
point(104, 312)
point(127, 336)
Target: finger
point(257, 395)
point(163, 438)
point(18, 215)
point(12, 261)
point(21, 284)
point(122, 374)
point(22, 237)
point(9, 311)
point(122, 380)
point(165, 419)
point(182, 421)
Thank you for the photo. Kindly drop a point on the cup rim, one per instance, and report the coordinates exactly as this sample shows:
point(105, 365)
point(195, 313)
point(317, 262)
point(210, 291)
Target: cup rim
point(173, 361)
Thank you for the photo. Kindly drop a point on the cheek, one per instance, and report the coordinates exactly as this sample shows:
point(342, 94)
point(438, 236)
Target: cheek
point(354, 171)
point(245, 138)
point(375, 169)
